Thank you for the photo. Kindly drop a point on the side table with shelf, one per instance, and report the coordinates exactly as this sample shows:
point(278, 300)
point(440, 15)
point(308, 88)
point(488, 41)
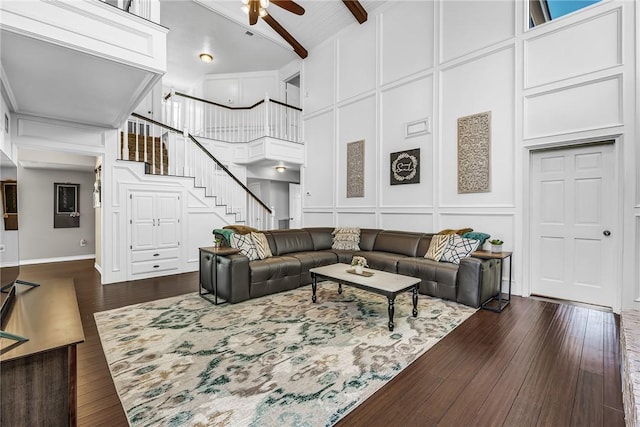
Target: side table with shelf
point(209, 270)
point(501, 302)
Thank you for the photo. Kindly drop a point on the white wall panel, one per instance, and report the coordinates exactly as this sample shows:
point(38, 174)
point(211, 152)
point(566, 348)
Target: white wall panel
point(319, 172)
point(356, 219)
point(592, 45)
point(588, 106)
point(318, 78)
point(483, 84)
point(400, 105)
point(419, 222)
point(357, 60)
point(467, 26)
point(403, 52)
point(317, 219)
point(357, 121)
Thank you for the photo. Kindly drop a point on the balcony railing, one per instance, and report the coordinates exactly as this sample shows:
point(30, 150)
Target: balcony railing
point(208, 119)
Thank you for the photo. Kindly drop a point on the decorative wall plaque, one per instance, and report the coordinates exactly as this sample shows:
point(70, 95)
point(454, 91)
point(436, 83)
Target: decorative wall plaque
point(355, 169)
point(474, 153)
point(405, 167)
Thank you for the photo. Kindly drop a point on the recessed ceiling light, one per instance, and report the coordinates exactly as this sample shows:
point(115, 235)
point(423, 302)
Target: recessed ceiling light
point(281, 168)
point(206, 57)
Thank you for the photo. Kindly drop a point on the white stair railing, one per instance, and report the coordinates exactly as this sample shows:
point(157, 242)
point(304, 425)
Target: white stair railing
point(167, 151)
point(265, 118)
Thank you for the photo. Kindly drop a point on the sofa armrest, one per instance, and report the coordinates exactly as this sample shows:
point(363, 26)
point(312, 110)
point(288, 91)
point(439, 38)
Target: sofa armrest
point(477, 280)
point(233, 278)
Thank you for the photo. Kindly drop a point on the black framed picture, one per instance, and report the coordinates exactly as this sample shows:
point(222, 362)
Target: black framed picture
point(66, 213)
point(405, 167)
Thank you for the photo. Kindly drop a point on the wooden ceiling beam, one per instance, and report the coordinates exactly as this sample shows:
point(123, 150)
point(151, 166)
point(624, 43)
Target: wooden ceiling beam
point(297, 47)
point(356, 9)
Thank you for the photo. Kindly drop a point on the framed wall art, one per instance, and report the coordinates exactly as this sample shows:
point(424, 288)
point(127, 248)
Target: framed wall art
point(355, 169)
point(405, 167)
point(474, 153)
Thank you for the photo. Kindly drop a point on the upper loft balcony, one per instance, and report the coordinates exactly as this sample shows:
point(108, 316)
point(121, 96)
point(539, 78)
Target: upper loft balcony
point(83, 61)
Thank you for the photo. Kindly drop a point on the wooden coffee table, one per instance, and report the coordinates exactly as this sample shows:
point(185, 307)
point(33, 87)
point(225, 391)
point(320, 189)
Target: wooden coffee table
point(380, 282)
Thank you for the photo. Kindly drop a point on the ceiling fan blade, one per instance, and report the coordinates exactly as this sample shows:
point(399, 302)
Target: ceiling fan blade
point(254, 8)
point(289, 5)
point(297, 47)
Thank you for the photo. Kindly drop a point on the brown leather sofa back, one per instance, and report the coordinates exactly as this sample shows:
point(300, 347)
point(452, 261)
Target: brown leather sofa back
point(368, 238)
point(397, 242)
point(288, 241)
point(322, 237)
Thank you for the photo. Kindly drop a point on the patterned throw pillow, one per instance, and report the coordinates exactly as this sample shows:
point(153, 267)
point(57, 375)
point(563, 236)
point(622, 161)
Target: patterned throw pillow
point(244, 242)
point(437, 246)
point(262, 245)
point(346, 239)
point(458, 248)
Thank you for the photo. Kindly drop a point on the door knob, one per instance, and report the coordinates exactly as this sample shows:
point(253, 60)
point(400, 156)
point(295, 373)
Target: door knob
point(606, 233)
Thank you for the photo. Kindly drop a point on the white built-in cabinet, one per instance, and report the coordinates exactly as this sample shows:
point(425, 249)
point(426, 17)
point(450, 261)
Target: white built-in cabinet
point(154, 218)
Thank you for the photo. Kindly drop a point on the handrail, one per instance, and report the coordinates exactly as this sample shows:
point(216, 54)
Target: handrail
point(195, 141)
point(206, 101)
point(206, 152)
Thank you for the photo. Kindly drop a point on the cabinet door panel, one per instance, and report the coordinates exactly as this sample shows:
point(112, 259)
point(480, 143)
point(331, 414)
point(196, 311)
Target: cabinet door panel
point(142, 222)
point(168, 206)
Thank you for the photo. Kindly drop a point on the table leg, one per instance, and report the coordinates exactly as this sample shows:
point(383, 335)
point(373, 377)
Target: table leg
point(391, 311)
point(314, 285)
point(340, 288)
point(415, 301)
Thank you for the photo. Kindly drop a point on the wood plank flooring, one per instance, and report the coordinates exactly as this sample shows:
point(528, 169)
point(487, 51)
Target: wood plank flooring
point(535, 364)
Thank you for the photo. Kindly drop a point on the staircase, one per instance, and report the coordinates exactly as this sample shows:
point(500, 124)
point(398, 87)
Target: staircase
point(169, 152)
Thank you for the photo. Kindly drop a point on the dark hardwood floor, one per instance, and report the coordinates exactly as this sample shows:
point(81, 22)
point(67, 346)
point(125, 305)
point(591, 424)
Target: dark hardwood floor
point(535, 364)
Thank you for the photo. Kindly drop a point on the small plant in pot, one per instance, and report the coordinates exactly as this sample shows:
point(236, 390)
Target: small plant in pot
point(496, 245)
point(358, 263)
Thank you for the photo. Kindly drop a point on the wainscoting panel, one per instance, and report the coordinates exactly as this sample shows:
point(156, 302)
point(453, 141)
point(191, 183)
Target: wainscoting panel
point(356, 219)
point(396, 42)
point(582, 107)
point(401, 106)
point(588, 46)
point(317, 219)
point(486, 83)
point(319, 82)
point(320, 146)
point(467, 26)
point(419, 222)
point(357, 61)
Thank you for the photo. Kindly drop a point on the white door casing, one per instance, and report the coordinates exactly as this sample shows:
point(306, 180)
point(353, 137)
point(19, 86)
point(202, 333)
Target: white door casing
point(573, 209)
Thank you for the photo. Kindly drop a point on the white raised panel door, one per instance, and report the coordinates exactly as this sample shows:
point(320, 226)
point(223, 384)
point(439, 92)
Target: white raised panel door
point(167, 221)
point(573, 211)
point(295, 206)
point(142, 221)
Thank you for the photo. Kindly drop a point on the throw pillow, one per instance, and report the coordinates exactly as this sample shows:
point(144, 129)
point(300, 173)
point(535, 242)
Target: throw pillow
point(476, 235)
point(262, 245)
point(458, 248)
point(241, 229)
point(437, 246)
point(346, 239)
point(459, 231)
point(244, 242)
point(224, 234)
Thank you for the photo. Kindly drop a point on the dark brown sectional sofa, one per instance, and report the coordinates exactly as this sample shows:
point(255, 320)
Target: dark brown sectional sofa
point(295, 251)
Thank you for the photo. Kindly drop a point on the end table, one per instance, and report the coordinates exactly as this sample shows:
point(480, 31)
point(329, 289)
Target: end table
point(209, 270)
point(502, 256)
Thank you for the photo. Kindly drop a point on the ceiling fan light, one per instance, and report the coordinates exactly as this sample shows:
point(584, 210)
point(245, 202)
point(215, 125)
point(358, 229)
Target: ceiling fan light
point(264, 4)
point(245, 9)
point(206, 57)
point(262, 13)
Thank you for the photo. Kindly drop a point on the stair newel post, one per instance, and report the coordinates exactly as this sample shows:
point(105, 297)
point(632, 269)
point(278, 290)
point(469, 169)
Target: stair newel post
point(185, 146)
point(266, 115)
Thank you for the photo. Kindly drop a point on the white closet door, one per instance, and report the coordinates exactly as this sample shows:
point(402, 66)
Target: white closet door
point(142, 221)
point(167, 222)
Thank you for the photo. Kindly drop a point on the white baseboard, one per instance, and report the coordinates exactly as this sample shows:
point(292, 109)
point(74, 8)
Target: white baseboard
point(60, 259)
point(9, 264)
point(97, 267)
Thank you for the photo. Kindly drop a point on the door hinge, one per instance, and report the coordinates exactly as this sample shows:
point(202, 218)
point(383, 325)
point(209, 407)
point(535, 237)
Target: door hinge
point(131, 196)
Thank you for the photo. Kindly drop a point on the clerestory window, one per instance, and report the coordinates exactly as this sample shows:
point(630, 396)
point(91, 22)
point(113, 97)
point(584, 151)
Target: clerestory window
point(541, 11)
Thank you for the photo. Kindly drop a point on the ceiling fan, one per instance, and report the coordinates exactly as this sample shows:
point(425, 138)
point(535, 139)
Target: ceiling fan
point(258, 8)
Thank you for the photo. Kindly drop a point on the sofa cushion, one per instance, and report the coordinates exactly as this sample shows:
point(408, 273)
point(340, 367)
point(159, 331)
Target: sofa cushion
point(309, 260)
point(397, 242)
point(368, 238)
point(275, 267)
point(346, 239)
point(289, 241)
point(458, 248)
point(386, 261)
point(343, 256)
point(423, 245)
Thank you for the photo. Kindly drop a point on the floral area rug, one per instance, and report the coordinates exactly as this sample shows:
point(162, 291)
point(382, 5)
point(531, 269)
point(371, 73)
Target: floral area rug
point(279, 360)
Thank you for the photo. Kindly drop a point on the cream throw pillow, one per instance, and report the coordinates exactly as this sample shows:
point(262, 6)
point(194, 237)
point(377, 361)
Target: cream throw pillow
point(436, 248)
point(262, 245)
point(346, 239)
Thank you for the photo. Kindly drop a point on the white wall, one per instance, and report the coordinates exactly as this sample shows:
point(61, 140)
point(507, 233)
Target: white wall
point(241, 89)
point(568, 81)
